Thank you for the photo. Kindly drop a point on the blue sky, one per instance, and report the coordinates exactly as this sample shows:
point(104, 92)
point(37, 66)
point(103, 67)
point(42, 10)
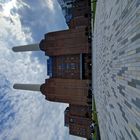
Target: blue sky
point(27, 115)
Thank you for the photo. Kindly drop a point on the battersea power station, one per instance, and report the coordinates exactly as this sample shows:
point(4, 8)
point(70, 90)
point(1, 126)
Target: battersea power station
point(68, 67)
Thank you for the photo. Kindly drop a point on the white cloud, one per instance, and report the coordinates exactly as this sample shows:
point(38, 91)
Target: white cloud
point(35, 117)
point(50, 4)
point(11, 23)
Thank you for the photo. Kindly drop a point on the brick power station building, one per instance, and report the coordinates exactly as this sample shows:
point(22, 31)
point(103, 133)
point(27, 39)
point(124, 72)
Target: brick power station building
point(69, 67)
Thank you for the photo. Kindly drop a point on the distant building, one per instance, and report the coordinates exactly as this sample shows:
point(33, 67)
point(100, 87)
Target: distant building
point(77, 121)
point(66, 6)
point(71, 8)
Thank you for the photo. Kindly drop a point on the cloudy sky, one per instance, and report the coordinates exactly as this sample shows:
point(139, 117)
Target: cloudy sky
point(27, 115)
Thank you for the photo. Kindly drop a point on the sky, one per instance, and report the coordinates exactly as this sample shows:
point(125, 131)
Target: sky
point(27, 115)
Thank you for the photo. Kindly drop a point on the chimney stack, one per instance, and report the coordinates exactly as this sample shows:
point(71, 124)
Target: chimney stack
point(24, 48)
point(31, 87)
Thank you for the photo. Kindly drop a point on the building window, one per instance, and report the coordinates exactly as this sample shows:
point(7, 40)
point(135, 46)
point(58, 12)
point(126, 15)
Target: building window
point(72, 120)
point(73, 66)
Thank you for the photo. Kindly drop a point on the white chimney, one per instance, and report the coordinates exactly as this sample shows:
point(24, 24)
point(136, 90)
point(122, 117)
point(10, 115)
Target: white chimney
point(31, 87)
point(24, 48)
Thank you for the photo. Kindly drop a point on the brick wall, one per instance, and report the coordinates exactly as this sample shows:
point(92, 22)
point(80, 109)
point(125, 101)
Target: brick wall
point(71, 91)
point(116, 67)
point(72, 41)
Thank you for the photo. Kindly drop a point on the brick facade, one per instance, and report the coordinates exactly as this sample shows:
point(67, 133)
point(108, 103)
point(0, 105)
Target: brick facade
point(67, 91)
point(72, 41)
point(77, 121)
